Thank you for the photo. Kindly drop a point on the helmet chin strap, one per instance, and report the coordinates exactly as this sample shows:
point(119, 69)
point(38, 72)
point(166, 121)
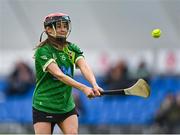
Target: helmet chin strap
point(57, 42)
point(61, 39)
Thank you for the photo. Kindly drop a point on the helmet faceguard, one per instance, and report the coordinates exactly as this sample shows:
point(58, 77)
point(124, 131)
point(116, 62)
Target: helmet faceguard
point(51, 21)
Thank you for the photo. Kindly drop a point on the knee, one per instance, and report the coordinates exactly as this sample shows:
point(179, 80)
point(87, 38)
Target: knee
point(73, 131)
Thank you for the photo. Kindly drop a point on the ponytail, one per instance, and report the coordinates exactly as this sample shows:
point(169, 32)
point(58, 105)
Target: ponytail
point(41, 44)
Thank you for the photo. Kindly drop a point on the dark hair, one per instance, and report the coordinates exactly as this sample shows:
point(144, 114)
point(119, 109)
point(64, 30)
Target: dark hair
point(41, 44)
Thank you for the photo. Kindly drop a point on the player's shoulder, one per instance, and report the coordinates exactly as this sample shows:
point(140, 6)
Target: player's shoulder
point(74, 47)
point(43, 48)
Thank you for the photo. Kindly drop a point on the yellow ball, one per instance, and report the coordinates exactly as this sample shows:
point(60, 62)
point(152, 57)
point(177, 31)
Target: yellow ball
point(156, 33)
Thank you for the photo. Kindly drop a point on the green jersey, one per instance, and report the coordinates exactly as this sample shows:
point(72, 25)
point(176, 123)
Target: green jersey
point(50, 94)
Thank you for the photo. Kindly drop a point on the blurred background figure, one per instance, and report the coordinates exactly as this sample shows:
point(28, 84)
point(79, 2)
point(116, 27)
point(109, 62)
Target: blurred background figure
point(20, 80)
point(143, 72)
point(118, 76)
point(79, 103)
point(168, 115)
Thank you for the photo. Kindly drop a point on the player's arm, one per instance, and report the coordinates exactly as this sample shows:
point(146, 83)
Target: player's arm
point(88, 74)
point(56, 72)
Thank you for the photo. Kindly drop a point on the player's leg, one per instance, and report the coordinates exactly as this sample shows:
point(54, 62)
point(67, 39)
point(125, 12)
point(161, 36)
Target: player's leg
point(43, 128)
point(69, 125)
point(42, 123)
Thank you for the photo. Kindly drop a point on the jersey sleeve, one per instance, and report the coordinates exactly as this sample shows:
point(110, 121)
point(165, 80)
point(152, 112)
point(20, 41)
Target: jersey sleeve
point(43, 58)
point(78, 52)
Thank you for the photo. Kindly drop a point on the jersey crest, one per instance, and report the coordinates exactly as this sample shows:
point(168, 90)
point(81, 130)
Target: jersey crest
point(44, 57)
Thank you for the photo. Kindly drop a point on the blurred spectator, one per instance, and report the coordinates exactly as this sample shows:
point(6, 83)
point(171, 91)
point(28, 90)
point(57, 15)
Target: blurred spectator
point(79, 105)
point(142, 71)
point(20, 80)
point(117, 76)
point(168, 116)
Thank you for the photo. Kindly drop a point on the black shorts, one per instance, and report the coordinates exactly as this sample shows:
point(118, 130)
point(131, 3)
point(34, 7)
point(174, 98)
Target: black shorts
point(39, 116)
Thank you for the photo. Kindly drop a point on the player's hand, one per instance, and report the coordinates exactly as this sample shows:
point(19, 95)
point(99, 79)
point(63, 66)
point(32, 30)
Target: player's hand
point(97, 90)
point(89, 92)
